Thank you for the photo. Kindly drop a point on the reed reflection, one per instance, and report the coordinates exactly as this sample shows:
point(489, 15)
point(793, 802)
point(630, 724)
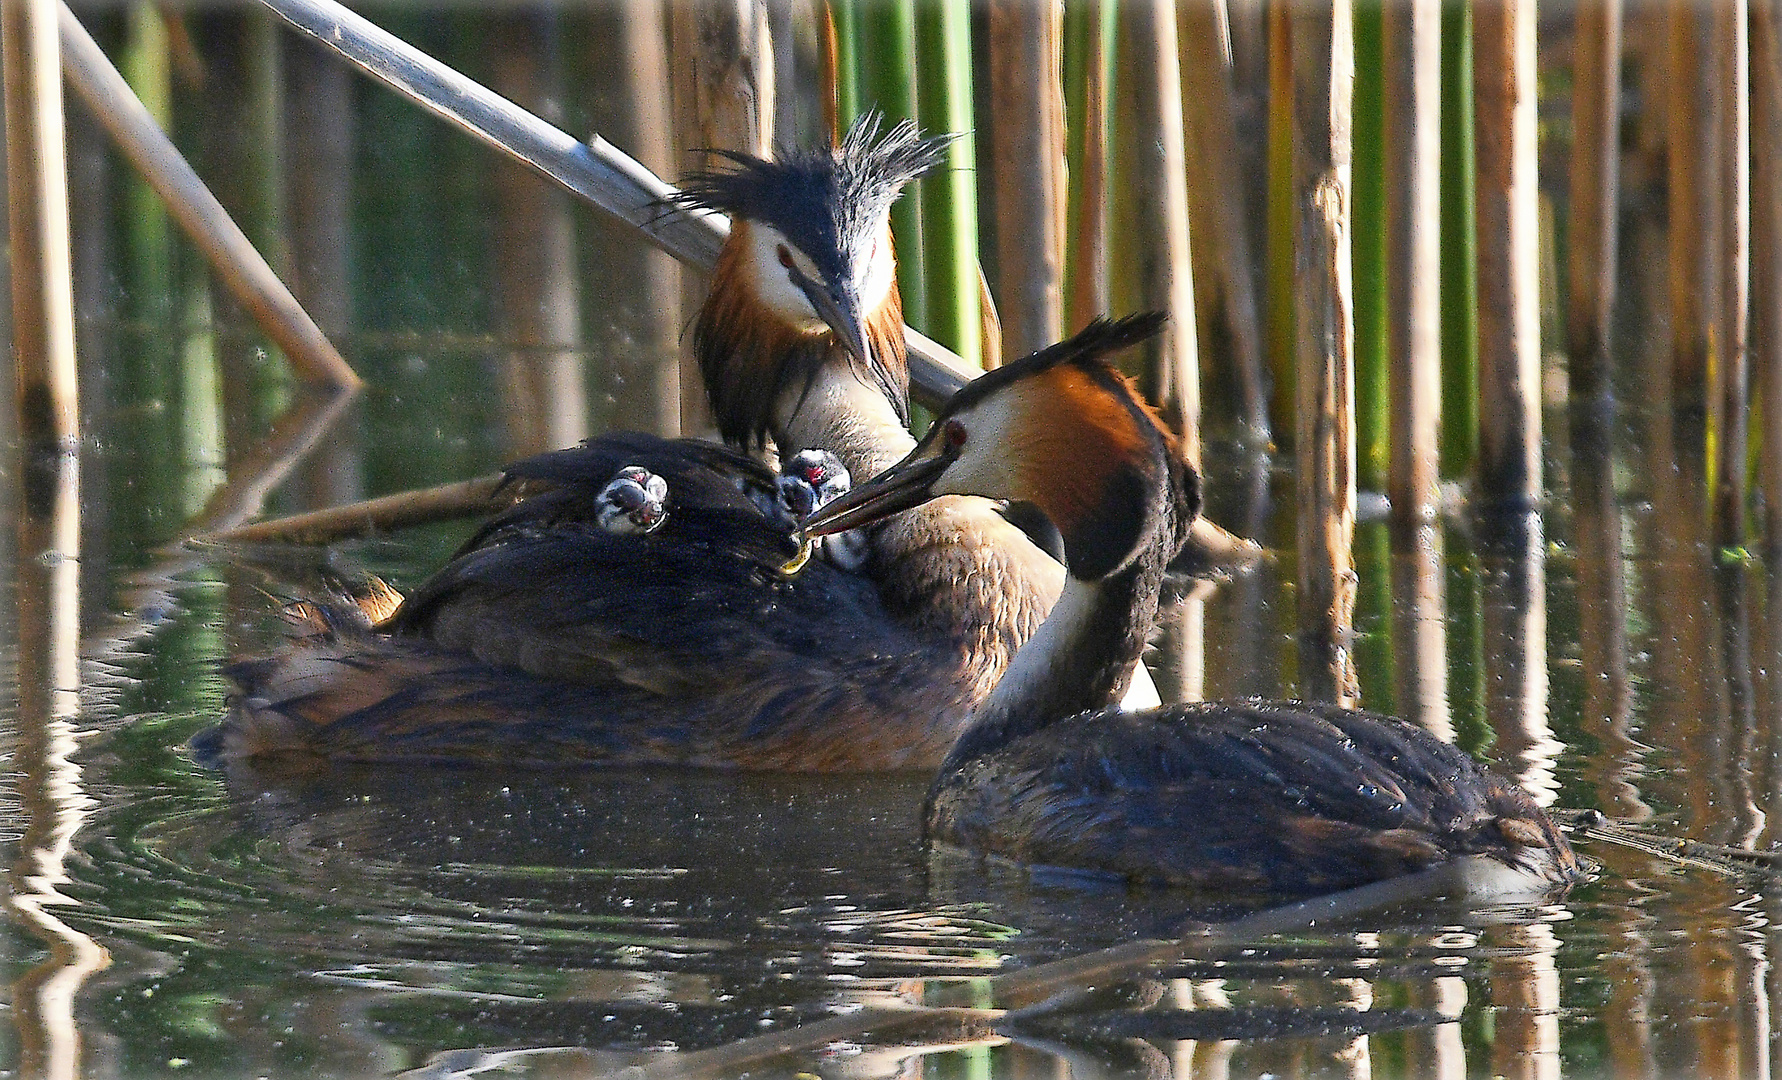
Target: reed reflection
point(1602, 619)
point(1513, 556)
point(1245, 660)
point(1420, 630)
point(49, 784)
point(1437, 1051)
point(1525, 993)
point(1733, 591)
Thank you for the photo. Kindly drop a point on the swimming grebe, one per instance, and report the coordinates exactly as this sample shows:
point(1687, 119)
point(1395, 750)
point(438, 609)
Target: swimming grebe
point(691, 628)
point(1251, 796)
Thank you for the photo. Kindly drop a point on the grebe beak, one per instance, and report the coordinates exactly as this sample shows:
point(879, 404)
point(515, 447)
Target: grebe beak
point(840, 309)
point(898, 488)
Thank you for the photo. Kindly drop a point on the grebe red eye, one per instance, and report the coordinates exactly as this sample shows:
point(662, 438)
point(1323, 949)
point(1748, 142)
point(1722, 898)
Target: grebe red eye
point(954, 434)
point(785, 256)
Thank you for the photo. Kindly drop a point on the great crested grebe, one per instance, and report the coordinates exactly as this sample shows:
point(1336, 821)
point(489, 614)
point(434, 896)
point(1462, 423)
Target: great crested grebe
point(1251, 796)
point(552, 638)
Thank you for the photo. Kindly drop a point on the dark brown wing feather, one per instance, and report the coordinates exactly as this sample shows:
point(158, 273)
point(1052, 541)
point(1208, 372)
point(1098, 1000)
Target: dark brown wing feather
point(550, 641)
point(1257, 797)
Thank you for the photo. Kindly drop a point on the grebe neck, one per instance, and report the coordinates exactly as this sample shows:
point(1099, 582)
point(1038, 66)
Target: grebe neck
point(839, 412)
point(953, 570)
point(1081, 659)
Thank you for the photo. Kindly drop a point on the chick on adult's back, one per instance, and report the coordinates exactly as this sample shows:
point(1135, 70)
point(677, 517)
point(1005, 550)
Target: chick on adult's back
point(551, 638)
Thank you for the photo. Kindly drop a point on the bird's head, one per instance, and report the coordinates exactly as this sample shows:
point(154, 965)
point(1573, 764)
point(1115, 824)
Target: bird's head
point(808, 270)
point(1060, 429)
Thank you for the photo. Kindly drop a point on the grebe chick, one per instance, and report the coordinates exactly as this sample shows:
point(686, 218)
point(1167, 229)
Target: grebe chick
point(809, 480)
point(633, 503)
point(1252, 797)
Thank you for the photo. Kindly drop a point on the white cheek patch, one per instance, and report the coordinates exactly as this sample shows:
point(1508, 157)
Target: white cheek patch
point(879, 274)
point(985, 465)
point(774, 286)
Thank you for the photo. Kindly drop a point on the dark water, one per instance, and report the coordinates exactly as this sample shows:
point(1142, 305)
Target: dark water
point(169, 920)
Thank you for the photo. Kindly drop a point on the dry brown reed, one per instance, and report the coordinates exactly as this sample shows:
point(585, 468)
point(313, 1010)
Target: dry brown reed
point(1509, 251)
point(1156, 187)
point(1323, 61)
point(1411, 46)
point(1214, 167)
point(1026, 41)
point(1595, 184)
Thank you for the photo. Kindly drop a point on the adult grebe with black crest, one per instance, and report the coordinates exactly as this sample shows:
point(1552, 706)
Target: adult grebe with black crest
point(1254, 797)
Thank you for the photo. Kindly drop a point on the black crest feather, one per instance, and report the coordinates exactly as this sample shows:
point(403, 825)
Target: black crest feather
point(1087, 348)
point(831, 203)
point(823, 199)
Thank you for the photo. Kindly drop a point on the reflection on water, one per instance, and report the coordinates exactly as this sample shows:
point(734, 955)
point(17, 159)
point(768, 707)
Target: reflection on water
point(358, 922)
point(354, 921)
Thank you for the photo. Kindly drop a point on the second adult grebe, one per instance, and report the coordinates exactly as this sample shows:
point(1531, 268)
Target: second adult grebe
point(1249, 796)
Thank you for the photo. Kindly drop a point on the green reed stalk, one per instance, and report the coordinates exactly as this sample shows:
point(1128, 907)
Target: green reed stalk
point(950, 194)
point(1460, 245)
point(150, 377)
point(1368, 253)
point(147, 69)
point(846, 16)
point(1466, 650)
point(1080, 22)
point(264, 181)
point(886, 65)
point(201, 403)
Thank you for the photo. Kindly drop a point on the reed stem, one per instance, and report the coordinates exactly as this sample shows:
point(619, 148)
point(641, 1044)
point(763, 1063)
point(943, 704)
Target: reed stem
point(46, 377)
point(1027, 144)
point(644, 379)
point(949, 195)
point(722, 93)
point(1323, 71)
point(1591, 233)
point(1766, 256)
point(1279, 335)
point(1411, 55)
point(1157, 218)
point(1216, 161)
point(845, 18)
point(1509, 255)
point(1460, 245)
point(1731, 362)
point(1689, 156)
point(1372, 407)
point(1087, 43)
point(887, 82)
point(537, 290)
